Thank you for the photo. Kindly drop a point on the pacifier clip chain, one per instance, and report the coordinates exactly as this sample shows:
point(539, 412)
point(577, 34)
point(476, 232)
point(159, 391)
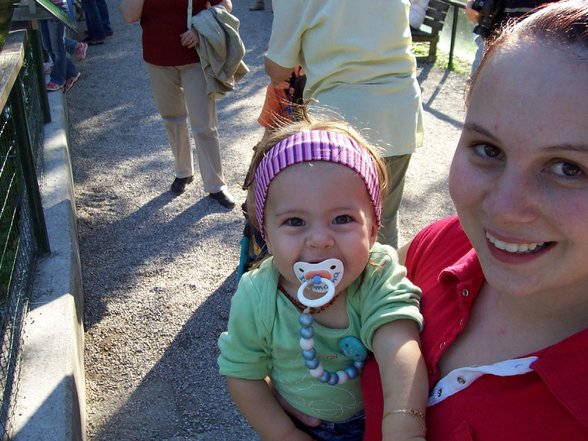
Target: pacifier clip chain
point(313, 278)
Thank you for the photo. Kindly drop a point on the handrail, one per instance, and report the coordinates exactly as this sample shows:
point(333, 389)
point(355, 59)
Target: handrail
point(12, 59)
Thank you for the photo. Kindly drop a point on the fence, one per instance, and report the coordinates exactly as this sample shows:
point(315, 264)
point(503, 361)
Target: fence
point(23, 235)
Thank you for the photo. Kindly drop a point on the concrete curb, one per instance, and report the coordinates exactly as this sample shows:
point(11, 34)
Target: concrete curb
point(50, 401)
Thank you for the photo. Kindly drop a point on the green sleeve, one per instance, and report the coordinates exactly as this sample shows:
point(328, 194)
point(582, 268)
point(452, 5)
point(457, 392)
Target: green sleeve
point(385, 294)
point(245, 346)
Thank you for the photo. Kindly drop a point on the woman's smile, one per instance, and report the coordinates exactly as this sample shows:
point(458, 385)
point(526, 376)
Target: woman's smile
point(516, 248)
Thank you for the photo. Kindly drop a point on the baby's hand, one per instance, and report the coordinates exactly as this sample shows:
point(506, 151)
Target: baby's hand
point(189, 38)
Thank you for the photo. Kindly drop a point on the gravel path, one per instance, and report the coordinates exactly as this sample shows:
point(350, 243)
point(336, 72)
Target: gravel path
point(158, 270)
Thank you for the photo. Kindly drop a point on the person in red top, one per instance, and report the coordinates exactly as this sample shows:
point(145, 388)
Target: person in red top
point(179, 88)
point(505, 283)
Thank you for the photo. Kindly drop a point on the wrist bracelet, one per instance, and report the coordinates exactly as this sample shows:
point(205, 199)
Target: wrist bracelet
point(412, 412)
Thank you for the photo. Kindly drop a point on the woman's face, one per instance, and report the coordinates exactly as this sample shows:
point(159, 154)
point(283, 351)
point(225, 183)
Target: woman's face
point(519, 178)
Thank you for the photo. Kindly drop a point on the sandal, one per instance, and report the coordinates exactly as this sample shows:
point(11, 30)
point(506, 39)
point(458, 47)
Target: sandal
point(69, 83)
point(53, 87)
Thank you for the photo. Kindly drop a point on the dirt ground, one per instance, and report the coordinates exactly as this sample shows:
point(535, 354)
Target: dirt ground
point(158, 270)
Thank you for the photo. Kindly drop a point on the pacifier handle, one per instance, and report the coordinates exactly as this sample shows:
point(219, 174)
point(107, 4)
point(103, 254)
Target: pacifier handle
point(316, 303)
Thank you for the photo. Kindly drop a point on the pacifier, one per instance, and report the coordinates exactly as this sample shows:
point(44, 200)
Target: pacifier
point(321, 278)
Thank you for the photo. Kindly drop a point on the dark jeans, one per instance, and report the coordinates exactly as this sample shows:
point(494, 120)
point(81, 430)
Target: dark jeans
point(97, 18)
point(348, 430)
point(104, 15)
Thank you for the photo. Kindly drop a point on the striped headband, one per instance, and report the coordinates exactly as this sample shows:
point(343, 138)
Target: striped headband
point(316, 145)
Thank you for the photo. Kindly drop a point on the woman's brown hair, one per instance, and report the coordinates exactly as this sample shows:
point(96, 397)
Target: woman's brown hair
point(562, 24)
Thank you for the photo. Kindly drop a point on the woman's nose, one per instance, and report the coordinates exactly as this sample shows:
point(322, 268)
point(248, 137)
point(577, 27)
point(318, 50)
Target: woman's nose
point(512, 198)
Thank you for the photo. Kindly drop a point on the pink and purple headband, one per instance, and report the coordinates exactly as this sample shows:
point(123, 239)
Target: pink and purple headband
point(316, 145)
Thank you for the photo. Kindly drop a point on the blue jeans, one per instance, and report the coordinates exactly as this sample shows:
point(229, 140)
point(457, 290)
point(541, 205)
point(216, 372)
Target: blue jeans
point(104, 15)
point(53, 39)
point(70, 10)
point(97, 18)
point(348, 430)
point(70, 45)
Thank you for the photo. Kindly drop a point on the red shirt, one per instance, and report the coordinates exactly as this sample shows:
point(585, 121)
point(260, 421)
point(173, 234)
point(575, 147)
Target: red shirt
point(163, 21)
point(549, 403)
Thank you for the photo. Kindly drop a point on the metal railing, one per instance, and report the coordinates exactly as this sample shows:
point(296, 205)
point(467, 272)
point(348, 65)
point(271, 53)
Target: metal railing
point(456, 6)
point(23, 235)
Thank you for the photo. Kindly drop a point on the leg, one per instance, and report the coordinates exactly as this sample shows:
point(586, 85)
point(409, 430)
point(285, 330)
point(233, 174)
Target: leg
point(93, 21)
point(46, 40)
point(203, 120)
point(56, 38)
point(170, 102)
point(396, 167)
point(104, 16)
point(71, 70)
point(70, 45)
point(46, 43)
point(70, 10)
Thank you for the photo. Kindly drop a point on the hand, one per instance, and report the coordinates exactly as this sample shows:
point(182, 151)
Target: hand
point(227, 4)
point(189, 38)
point(472, 15)
point(281, 88)
point(276, 72)
point(298, 71)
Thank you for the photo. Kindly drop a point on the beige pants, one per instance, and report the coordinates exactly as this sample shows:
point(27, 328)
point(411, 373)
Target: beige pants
point(179, 92)
point(396, 167)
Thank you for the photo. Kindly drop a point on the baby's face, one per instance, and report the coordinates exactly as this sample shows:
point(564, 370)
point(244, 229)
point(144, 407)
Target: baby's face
point(316, 211)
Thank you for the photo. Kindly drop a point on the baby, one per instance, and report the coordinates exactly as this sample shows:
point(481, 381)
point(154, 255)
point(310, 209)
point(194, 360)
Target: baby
point(305, 319)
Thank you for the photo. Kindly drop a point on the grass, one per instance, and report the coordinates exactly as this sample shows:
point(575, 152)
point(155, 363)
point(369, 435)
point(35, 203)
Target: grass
point(459, 65)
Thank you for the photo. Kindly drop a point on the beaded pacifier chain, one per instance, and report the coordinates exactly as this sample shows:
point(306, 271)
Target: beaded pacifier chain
point(322, 278)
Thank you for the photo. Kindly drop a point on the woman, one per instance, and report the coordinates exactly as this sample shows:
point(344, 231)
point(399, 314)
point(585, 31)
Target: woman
point(178, 83)
point(505, 284)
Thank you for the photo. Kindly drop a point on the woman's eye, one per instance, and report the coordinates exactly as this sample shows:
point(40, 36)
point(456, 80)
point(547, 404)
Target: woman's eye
point(488, 150)
point(294, 222)
point(567, 169)
point(343, 219)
